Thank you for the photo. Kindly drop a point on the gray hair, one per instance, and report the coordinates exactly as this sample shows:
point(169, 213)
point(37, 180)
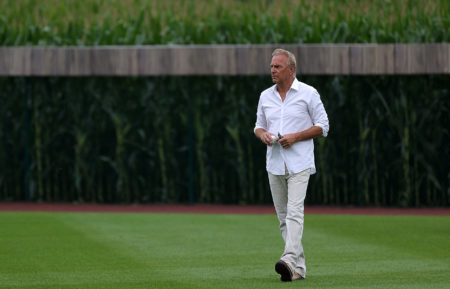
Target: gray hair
point(291, 57)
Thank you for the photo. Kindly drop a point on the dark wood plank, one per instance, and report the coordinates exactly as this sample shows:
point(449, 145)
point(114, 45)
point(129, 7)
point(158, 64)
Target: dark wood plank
point(437, 58)
point(324, 59)
point(312, 59)
point(372, 59)
point(15, 61)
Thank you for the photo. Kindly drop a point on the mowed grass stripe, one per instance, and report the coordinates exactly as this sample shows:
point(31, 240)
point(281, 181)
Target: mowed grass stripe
point(383, 251)
point(107, 250)
point(44, 250)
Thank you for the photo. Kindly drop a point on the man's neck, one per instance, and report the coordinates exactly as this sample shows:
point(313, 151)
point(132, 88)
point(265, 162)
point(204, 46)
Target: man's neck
point(285, 86)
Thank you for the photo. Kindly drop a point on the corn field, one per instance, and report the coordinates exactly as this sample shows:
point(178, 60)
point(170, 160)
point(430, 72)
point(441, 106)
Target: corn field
point(190, 139)
point(147, 22)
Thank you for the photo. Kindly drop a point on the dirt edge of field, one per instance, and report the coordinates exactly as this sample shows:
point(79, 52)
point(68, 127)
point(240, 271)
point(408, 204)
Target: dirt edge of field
point(211, 209)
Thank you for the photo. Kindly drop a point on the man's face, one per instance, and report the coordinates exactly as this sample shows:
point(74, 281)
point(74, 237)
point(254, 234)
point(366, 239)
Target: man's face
point(279, 69)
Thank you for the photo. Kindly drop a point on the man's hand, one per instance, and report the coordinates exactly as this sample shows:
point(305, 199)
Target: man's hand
point(264, 136)
point(287, 140)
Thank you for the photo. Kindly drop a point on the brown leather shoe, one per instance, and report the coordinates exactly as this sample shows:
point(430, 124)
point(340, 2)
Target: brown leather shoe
point(284, 270)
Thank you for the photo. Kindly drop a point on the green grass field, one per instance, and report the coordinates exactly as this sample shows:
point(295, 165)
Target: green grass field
point(129, 250)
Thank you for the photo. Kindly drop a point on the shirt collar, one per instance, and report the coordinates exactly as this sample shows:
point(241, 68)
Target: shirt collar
point(295, 85)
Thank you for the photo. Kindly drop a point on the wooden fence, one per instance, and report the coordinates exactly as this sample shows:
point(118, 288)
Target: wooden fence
point(313, 59)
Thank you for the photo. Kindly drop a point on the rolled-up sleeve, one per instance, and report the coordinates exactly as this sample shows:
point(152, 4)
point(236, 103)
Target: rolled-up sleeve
point(318, 114)
point(261, 121)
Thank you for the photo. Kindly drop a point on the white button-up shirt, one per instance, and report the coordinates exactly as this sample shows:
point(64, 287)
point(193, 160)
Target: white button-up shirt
point(301, 109)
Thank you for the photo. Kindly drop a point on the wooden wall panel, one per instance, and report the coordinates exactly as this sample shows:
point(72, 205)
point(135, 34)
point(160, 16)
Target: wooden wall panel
point(15, 61)
point(372, 59)
point(323, 59)
point(312, 59)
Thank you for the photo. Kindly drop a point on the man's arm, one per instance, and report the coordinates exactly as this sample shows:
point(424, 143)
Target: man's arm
point(318, 114)
point(289, 139)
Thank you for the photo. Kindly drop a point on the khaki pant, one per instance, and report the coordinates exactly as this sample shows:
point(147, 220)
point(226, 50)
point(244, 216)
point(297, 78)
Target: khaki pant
point(288, 194)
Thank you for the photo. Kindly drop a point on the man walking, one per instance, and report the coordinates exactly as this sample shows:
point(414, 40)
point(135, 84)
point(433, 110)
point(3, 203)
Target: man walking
point(290, 114)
